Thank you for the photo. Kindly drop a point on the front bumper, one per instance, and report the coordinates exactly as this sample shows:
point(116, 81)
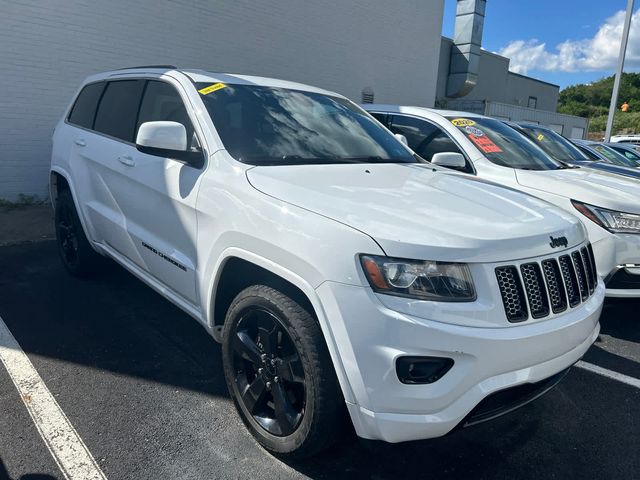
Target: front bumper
point(369, 337)
point(618, 263)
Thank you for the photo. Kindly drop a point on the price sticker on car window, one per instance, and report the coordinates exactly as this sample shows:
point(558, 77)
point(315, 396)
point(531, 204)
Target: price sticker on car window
point(485, 144)
point(211, 88)
point(540, 137)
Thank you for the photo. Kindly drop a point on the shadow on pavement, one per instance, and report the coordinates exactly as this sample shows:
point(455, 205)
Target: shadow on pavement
point(4, 475)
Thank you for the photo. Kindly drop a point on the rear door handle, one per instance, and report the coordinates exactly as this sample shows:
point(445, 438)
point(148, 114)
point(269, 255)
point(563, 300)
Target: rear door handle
point(80, 142)
point(126, 160)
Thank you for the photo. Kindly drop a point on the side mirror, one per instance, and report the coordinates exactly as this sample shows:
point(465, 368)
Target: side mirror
point(449, 160)
point(168, 140)
point(401, 138)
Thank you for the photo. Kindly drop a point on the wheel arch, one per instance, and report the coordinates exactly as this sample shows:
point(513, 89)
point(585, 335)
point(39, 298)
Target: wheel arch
point(236, 261)
point(59, 181)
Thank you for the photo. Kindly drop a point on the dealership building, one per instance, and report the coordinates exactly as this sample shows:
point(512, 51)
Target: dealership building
point(387, 52)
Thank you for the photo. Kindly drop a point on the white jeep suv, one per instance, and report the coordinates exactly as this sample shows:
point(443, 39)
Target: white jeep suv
point(335, 267)
point(484, 147)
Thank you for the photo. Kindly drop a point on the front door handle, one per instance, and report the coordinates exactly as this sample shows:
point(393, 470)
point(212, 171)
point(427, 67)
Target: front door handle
point(80, 142)
point(126, 160)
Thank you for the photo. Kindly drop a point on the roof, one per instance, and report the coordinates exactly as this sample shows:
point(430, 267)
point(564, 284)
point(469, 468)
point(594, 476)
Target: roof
point(198, 76)
point(417, 110)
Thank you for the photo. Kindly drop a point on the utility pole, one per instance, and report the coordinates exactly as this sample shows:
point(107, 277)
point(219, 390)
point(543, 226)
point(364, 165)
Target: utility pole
point(616, 82)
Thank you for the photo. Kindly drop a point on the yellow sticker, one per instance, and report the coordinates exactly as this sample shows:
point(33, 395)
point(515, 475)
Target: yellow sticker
point(211, 88)
point(463, 122)
point(540, 137)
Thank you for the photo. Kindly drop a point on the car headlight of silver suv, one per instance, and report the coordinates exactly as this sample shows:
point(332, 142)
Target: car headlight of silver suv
point(615, 222)
point(420, 279)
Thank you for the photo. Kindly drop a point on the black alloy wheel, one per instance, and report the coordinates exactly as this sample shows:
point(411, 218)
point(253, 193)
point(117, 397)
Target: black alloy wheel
point(280, 374)
point(269, 375)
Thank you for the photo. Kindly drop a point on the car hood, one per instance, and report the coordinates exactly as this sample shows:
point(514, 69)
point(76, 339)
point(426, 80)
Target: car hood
point(595, 187)
point(417, 211)
point(607, 167)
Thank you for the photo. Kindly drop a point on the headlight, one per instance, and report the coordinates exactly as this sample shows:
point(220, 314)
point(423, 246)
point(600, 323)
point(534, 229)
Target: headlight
point(615, 222)
point(424, 280)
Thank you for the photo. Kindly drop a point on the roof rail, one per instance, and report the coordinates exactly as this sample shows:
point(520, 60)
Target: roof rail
point(149, 66)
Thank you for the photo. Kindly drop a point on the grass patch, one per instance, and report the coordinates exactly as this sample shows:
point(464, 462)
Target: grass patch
point(22, 202)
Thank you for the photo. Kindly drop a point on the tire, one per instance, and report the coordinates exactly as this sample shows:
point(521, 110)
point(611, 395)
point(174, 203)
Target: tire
point(291, 405)
point(76, 253)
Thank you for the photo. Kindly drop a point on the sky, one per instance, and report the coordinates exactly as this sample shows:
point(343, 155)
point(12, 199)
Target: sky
point(564, 42)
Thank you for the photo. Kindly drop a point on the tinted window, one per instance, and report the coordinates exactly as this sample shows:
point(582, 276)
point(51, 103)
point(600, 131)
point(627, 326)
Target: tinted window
point(424, 138)
point(554, 144)
point(381, 117)
point(84, 110)
point(503, 145)
point(614, 157)
point(161, 102)
point(588, 153)
point(272, 126)
point(627, 153)
point(118, 109)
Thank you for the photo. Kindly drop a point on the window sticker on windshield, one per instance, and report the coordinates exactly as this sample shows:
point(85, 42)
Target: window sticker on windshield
point(540, 137)
point(485, 144)
point(463, 122)
point(474, 131)
point(211, 88)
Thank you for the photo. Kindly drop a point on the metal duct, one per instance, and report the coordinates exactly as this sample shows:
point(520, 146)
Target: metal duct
point(465, 52)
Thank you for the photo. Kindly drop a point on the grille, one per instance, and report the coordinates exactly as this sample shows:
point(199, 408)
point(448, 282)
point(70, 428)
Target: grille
point(557, 294)
point(552, 285)
point(582, 281)
point(570, 280)
point(535, 288)
point(512, 294)
point(587, 258)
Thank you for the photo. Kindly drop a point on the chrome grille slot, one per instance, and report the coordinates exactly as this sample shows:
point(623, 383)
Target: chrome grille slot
point(580, 274)
point(536, 290)
point(589, 264)
point(512, 294)
point(570, 280)
point(557, 294)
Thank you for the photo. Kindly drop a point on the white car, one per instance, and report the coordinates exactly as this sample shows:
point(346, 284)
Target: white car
point(338, 271)
point(608, 204)
point(631, 139)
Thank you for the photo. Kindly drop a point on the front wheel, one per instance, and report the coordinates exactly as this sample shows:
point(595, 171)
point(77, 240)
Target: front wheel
point(279, 373)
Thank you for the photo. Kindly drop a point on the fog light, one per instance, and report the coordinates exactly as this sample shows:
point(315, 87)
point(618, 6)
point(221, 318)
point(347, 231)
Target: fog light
point(422, 370)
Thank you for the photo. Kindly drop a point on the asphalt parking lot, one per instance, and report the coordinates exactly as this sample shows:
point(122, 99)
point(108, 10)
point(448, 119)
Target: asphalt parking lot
point(142, 384)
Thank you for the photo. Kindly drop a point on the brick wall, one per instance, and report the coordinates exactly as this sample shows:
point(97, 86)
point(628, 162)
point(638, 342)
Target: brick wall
point(47, 48)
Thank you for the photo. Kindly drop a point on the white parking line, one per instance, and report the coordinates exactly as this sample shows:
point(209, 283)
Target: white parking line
point(62, 440)
point(634, 382)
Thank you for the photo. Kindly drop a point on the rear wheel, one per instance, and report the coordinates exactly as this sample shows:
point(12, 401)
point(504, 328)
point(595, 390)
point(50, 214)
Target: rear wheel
point(279, 373)
point(77, 255)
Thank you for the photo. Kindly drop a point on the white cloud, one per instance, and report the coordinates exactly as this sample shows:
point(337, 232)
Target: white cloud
point(597, 53)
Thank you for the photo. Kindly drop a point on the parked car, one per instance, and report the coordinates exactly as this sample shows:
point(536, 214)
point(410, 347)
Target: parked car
point(564, 151)
point(632, 139)
point(490, 150)
point(599, 151)
point(338, 270)
point(627, 149)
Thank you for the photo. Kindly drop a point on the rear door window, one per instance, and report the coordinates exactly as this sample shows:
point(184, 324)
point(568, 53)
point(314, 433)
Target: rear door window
point(84, 109)
point(118, 109)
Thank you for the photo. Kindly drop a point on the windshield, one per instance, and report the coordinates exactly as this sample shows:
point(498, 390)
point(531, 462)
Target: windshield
point(503, 145)
point(628, 153)
point(614, 157)
point(275, 126)
point(554, 144)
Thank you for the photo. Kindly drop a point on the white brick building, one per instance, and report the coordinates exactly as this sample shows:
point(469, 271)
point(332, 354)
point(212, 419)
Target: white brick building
point(47, 48)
